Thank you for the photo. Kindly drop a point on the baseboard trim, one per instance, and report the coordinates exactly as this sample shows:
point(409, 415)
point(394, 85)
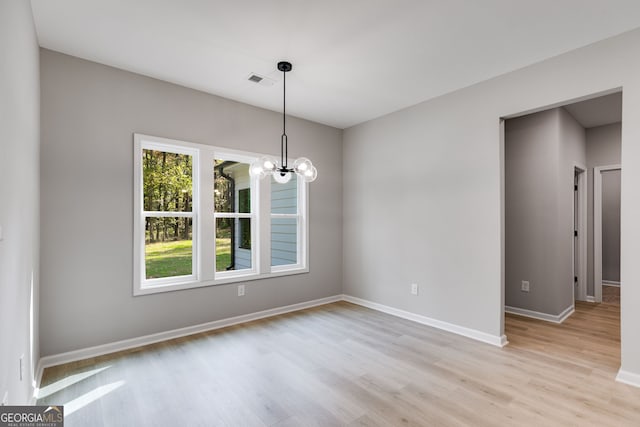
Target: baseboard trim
point(38, 379)
point(99, 350)
point(591, 299)
point(628, 378)
point(610, 283)
point(498, 341)
point(554, 318)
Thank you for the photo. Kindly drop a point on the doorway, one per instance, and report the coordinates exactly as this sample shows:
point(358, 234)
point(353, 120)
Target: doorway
point(549, 157)
point(606, 233)
point(550, 163)
point(580, 233)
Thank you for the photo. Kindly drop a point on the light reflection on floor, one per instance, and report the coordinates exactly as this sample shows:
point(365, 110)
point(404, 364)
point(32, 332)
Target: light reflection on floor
point(95, 394)
point(67, 381)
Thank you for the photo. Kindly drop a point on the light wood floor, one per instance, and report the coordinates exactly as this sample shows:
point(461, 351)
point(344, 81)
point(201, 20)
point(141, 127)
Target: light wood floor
point(341, 364)
point(611, 294)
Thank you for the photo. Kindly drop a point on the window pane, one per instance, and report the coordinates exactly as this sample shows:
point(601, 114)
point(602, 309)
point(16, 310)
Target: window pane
point(284, 197)
point(167, 180)
point(244, 233)
point(284, 241)
point(231, 178)
point(233, 244)
point(168, 247)
point(244, 200)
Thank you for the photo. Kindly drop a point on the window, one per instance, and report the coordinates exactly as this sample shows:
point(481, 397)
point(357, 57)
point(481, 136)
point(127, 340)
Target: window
point(285, 224)
point(167, 214)
point(232, 186)
point(200, 220)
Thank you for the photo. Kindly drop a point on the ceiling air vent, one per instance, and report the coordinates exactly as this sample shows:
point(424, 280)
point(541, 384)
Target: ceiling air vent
point(261, 80)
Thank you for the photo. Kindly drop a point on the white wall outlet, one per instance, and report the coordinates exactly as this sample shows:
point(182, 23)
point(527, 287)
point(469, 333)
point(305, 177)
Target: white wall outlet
point(1, 236)
point(525, 286)
point(5, 399)
point(240, 290)
point(21, 367)
point(414, 289)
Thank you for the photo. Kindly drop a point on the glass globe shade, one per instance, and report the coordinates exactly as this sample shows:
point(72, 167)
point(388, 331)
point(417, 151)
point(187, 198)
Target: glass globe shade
point(256, 170)
point(268, 163)
point(302, 165)
point(281, 178)
point(310, 175)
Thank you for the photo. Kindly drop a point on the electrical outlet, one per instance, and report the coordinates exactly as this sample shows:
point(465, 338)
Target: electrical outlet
point(414, 289)
point(5, 399)
point(240, 290)
point(21, 367)
point(1, 236)
point(525, 286)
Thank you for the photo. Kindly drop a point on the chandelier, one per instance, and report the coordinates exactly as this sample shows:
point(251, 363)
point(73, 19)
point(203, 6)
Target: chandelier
point(281, 171)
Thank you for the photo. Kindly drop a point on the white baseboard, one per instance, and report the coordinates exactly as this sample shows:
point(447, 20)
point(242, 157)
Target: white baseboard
point(38, 379)
point(99, 350)
point(629, 378)
point(591, 298)
point(499, 341)
point(610, 283)
point(554, 318)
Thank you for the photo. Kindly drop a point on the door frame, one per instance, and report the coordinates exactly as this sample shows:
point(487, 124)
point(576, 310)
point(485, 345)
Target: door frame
point(597, 227)
point(502, 204)
point(582, 233)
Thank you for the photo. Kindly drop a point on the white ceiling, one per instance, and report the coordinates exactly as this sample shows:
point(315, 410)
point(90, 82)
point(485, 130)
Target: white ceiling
point(353, 60)
point(600, 111)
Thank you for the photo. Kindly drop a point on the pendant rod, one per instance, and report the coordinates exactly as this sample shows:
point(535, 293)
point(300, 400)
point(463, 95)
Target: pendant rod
point(283, 139)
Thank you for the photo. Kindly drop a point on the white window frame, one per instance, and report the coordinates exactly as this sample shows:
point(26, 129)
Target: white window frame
point(301, 230)
point(247, 272)
point(139, 267)
point(203, 222)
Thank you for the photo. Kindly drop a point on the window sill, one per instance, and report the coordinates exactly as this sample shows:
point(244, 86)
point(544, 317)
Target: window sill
point(171, 287)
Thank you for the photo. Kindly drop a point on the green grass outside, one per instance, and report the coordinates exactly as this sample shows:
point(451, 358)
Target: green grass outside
point(223, 253)
point(166, 259)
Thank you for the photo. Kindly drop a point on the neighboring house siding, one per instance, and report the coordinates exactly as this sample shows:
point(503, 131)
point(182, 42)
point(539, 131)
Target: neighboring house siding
point(243, 258)
point(284, 230)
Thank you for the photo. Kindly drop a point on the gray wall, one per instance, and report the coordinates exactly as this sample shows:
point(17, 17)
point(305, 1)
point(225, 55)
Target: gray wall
point(423, 191)
point(611, 226)
point(540, 152)
point(532, 161)
point(573, 153)
point(89, 113)
point(603, 149)
point(19, 197)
